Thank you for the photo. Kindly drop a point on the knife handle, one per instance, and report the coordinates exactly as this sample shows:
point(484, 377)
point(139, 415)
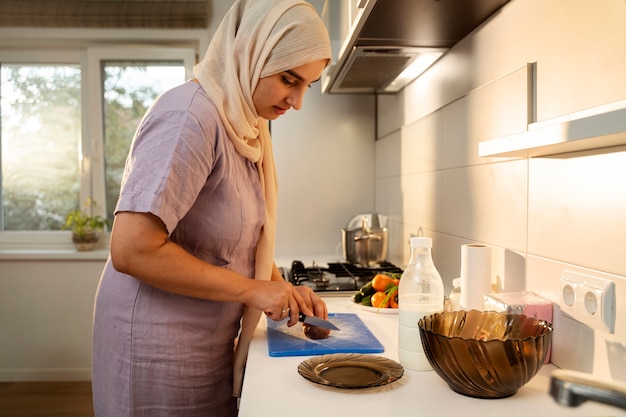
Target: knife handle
point(302, 316)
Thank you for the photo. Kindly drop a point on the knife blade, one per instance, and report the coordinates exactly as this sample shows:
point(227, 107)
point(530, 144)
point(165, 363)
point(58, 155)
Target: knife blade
point(316, 321)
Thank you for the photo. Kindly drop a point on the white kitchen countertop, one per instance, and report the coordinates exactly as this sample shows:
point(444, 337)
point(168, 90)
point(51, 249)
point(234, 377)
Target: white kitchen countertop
point(273, 388)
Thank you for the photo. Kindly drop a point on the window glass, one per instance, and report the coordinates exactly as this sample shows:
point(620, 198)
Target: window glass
point(40, 134)
point(129, 89)
point(67, 118)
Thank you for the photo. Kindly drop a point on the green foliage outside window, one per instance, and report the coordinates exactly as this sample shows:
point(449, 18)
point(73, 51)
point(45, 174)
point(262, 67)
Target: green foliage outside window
point(40, 143)
point(40, 154)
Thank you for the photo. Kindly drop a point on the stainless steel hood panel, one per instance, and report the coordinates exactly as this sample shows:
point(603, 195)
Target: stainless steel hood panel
point(391, 33)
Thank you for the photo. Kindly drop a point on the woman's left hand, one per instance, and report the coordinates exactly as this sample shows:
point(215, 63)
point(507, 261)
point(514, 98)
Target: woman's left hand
point(312, 301)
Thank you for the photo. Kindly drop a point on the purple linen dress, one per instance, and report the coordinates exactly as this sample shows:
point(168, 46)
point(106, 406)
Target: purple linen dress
point(161, 354)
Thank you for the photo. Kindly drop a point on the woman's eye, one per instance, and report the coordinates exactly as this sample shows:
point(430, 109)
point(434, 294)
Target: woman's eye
point(288, 81)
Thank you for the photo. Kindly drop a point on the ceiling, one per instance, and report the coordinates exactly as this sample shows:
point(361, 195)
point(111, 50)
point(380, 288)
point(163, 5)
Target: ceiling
point(147, 14)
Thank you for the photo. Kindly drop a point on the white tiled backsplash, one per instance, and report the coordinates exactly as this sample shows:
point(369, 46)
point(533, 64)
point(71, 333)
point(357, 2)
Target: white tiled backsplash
point(547, 214)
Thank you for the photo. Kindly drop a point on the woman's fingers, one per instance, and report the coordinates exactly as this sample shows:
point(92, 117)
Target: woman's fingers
point(314, 305)
point(276, 300)
point(281, 300)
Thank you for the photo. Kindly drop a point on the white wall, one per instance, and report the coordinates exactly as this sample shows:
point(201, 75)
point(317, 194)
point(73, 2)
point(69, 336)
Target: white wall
point(46, 309)
point(325, 162)
point(544, 214)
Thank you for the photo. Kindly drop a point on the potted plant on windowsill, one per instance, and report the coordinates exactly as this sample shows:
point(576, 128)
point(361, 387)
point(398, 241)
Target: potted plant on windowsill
point(85, 227)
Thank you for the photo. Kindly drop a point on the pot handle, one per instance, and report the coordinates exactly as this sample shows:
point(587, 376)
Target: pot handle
point(369, 236)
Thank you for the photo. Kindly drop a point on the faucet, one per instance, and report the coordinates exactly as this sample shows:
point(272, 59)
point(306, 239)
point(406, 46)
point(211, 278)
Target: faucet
point(572, 388)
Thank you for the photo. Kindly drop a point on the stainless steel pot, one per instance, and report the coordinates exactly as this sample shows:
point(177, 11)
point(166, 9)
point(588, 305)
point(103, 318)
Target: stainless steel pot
point(364, 246)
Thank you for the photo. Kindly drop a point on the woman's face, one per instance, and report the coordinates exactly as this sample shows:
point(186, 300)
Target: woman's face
point(277, 93)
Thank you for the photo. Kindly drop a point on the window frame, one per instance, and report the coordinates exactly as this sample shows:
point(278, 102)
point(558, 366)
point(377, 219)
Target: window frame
point(91, 155)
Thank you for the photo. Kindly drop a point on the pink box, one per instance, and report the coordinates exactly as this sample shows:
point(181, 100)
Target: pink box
point(523, 302)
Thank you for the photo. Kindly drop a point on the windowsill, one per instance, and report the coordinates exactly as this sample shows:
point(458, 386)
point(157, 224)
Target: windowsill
point(53, 255)
point(51, 245)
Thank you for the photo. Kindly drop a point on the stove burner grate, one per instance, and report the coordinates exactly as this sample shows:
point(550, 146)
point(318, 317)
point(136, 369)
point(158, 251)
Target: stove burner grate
point(341, 269)
point(338, 276)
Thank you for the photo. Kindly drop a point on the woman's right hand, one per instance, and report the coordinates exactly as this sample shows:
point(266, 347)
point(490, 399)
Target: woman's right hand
point(280, 299)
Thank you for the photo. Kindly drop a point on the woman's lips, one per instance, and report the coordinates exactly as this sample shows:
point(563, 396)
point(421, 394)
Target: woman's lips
point(280, 110)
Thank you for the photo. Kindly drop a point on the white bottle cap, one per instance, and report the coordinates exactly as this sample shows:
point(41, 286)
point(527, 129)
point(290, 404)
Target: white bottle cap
point(421, 242)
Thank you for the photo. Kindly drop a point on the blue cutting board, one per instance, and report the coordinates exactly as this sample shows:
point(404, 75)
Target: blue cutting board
point(354, 337)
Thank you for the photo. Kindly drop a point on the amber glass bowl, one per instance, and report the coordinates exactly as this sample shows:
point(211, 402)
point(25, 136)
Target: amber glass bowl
point(485, 354)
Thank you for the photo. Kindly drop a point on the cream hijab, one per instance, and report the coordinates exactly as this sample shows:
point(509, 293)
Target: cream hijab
point(256, 39)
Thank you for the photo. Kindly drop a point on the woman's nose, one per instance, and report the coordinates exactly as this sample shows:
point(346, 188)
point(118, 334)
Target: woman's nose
point(295, 99)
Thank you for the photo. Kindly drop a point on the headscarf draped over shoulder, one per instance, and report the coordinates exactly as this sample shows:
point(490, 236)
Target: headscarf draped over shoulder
point(256, 39)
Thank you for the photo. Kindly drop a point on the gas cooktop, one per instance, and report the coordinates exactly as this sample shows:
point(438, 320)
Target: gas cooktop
point(336, 276)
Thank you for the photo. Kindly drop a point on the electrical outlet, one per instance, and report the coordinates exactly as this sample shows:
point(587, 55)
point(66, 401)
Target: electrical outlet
point(588, 299)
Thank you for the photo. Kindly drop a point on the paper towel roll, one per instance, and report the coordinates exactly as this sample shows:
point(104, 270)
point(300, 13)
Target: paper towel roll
point(475, 275)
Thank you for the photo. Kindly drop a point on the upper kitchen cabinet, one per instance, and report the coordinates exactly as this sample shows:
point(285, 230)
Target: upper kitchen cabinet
point(382, 45)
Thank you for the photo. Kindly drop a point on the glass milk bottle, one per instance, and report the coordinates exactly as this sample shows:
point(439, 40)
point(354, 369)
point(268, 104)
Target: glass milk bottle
point(420, 293)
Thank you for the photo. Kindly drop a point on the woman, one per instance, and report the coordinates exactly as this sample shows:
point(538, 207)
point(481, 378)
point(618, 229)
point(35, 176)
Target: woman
point(193, 239)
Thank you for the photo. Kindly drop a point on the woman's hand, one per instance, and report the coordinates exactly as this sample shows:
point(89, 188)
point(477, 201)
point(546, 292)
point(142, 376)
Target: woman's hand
point(296, 299)
point(277, 299)
point(312, 301)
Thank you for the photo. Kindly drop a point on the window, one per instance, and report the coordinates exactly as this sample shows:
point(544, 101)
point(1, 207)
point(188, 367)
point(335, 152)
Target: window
point(67, 123)
point(129, 89)
point(40, 140)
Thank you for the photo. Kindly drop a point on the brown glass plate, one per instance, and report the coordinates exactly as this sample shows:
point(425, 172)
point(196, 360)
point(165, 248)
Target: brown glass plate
point(350, 370)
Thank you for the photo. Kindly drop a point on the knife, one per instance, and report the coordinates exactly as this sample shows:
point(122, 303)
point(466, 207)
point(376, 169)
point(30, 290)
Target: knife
point(316, 321)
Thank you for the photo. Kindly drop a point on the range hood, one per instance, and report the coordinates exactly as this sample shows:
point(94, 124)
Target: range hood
point(387, 36)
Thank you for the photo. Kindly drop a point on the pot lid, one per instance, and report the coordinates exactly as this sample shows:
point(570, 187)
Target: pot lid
point(372, 221)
